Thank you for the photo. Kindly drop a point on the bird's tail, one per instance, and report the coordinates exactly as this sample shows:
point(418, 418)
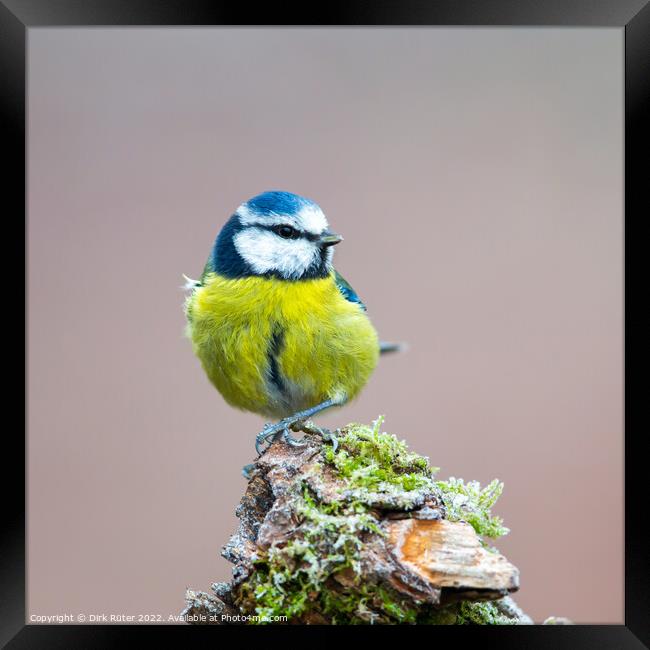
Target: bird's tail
point(387, 348)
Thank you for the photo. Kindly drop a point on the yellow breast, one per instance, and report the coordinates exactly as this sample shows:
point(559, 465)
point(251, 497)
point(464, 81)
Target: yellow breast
point(275, 347)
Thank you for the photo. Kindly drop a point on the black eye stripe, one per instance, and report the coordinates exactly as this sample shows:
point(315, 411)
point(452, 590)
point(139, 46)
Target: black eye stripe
point(285, 231)
point(297, 234)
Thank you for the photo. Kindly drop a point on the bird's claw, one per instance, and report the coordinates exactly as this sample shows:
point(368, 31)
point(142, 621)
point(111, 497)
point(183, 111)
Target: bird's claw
point(325, 434)
point(330, 436)
point(290, 440)
point(269, 431)
point(335, 442)
point(284, 427)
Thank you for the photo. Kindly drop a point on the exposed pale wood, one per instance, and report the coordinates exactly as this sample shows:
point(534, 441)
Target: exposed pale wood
point(450, 554)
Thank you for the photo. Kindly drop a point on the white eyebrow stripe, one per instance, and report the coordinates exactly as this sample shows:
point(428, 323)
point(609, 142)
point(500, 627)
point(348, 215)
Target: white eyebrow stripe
point(272, 220)
point(313, 220)
point(309, 219)
point(246, 217)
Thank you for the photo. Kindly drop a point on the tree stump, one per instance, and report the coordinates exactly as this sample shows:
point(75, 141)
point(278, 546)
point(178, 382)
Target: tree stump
point(360, 532)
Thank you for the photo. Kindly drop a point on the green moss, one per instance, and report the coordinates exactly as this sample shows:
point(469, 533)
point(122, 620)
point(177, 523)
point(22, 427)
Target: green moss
point(318, 568)
point(480, 613)
point(378, 469)
point(368, 604)
point(438, 616)
point(465, 613)
point(468, 502)
point(372, 460)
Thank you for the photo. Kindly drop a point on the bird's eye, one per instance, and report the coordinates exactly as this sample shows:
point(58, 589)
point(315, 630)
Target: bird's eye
point(288, 232)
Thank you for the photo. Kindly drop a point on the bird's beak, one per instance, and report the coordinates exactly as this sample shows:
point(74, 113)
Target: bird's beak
point(329, 239)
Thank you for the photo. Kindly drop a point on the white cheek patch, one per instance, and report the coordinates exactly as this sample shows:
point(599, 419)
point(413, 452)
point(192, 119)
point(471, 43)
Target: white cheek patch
point(264, 251)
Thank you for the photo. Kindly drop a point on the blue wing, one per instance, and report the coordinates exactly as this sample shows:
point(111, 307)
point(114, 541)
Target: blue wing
point(346, 289)
point(350, 294)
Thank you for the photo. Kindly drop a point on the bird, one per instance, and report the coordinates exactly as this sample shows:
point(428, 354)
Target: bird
point(278, 331)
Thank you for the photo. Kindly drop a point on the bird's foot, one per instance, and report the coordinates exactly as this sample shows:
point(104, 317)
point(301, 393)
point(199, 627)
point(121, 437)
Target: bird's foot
point(270, 432)
point(290, 440)
point(300, 419)
point(326, 434)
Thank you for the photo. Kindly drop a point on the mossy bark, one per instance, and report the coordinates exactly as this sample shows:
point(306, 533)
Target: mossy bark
point(360, 533)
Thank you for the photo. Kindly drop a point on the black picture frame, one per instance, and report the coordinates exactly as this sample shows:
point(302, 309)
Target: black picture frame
point(17, 16)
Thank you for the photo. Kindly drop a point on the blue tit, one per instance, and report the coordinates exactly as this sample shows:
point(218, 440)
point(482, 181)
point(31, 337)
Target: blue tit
point(277, 330)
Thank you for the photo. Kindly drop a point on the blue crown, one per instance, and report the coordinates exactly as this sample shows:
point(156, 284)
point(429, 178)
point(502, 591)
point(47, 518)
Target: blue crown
point(278, 202)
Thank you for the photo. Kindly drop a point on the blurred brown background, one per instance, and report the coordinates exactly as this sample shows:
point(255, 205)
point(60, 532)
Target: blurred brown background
point(477, 177)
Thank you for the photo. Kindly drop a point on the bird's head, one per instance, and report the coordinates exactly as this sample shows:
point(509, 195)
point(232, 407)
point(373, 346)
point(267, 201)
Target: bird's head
point(275, 234)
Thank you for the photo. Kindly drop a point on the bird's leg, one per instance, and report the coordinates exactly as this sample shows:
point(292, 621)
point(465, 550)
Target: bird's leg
point(271, 431)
